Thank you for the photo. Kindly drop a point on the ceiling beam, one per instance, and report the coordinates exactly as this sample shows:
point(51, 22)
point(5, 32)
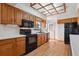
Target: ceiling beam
point(55, 9)
point(32, 4)
point(45, 8)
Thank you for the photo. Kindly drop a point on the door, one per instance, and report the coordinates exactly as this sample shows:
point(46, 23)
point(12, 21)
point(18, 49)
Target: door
point(51, 29)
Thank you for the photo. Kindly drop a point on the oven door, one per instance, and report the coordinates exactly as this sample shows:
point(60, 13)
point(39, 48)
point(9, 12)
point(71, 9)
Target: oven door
point(32, 39)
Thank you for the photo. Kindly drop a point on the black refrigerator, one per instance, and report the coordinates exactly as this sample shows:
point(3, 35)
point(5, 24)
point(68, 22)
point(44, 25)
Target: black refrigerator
point(69, 28)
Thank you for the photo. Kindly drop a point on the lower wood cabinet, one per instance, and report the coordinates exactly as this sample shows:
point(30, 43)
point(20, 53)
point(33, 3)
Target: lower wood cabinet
point(7, 47)
point(41, 39)
point(12, 47)
point(20, 46)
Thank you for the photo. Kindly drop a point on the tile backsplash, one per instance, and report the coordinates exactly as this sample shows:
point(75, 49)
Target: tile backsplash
point(9, 30)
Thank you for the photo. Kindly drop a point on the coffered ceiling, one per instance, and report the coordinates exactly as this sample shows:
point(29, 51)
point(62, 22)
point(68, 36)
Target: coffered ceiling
point(49, 9)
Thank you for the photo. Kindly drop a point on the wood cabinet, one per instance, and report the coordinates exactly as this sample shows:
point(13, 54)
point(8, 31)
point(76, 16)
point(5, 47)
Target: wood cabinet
point(43, 23)
point(12, 47)
point(68, 20)
point(0, 12)
point(20, 46)
point(13, 15)
point(18, 16)
point(7, 47)
point(25, 15)
point(7, 14)
point(41, 39)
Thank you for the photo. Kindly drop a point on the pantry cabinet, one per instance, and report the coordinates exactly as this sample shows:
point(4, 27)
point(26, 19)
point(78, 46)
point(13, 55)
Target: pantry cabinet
point(12, 47)
point(7, 14)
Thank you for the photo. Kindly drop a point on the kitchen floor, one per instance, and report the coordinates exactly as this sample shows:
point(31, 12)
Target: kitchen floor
point(52, 48)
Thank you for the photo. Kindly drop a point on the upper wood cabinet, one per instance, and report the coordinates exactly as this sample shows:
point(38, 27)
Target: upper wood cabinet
point(18, 16)
point(0, 13)
point(43, 23)
point(25, 15)
point(68, 20)
point(7, 14)
point(13, 15)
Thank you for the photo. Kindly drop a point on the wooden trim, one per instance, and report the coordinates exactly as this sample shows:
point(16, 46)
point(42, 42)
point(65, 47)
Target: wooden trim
point(64, 7)
point(45, 9)
point(55, 9)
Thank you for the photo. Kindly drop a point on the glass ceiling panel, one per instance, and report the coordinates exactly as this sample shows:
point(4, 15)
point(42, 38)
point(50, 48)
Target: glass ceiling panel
point(53, 10)
point(54, 13)
point(49, 7)
point(45, 12)
point(41, 10)
point(44, 4)
point(57, 4)
point(36, 6)
point(60, 8)
point(61, 11)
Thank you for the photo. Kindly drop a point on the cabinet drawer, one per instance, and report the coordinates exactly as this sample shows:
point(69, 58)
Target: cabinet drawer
point(21, 39)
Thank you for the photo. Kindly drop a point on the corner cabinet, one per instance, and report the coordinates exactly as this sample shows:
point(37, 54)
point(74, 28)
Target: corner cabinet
point(12, 47)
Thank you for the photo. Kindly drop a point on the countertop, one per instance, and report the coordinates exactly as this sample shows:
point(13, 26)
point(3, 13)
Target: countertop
point(9, 37)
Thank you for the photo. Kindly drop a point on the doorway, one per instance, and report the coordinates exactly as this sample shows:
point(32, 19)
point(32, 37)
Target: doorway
point(51, 29)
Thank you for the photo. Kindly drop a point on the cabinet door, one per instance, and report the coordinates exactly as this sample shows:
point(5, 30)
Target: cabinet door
point(18, 16)
point(44, 23)
point(24, 15)
point(7, 14)
point(10, 15)
point(4, 14)
point(7, 48)
point(0, 12)
point(39, 40)
point(20, 46)
point(43, 38)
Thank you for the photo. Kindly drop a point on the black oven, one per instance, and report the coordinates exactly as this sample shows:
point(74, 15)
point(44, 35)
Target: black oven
point(31, 40)
point(27, 23)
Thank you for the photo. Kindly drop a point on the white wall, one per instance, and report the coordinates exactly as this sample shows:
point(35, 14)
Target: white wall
point(25, 7)
point(70, 12)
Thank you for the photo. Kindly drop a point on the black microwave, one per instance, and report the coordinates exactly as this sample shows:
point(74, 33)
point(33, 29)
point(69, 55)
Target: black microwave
point(27, 23)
